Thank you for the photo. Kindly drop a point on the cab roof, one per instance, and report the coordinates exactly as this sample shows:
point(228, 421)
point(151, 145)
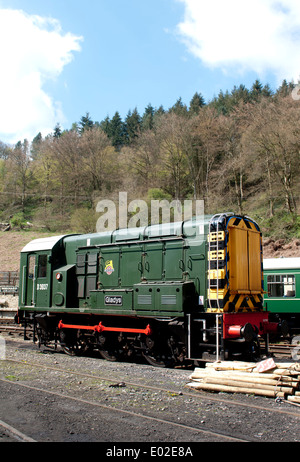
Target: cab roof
point(45, 243)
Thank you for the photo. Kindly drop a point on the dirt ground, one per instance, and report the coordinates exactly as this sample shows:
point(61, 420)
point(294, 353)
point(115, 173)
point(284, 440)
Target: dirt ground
point(279, 248)
point(112, 387)
point(11, 244)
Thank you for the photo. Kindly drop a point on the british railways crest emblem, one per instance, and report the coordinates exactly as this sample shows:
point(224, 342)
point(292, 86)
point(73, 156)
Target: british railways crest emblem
point(109, 268)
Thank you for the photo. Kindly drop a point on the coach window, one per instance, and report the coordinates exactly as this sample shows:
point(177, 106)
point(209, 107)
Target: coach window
point(281, 285)
point(42, 267)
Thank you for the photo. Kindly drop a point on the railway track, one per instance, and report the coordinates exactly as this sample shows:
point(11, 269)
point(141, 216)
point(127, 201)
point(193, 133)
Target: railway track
point(186, 428)
point(8, 328)
point(278, 349)
point(8, 325)
point(189, 394)
point(57, 383)
point(11, 434)
point(281, 349)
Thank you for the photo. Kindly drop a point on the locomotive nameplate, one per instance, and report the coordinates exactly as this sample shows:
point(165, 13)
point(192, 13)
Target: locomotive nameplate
point(115, 300)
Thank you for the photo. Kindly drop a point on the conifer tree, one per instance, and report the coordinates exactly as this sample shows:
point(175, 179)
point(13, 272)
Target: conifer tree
point(285, 88)
point(105, 125)
point(197, 102)
point(148, 118)
point(179, 108)
point(57, 131)
point(117, 131)
point(256, 91)
point(35, 145)
point(133, 125)
point(85, 123)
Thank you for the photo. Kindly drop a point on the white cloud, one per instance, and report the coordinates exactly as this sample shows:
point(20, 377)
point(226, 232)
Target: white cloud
point(238, 36)
point(33, 50)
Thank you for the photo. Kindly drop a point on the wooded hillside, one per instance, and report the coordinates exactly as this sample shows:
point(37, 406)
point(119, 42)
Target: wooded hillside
point(239, 152)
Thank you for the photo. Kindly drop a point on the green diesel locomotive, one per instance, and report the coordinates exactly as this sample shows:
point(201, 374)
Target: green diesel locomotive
point(191, 290)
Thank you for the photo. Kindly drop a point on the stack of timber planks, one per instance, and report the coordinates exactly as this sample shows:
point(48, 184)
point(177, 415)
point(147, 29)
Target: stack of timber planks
point(265, 378)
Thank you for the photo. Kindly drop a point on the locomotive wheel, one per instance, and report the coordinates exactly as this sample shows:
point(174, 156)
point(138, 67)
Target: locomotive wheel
point(74, 350)
point(70, 350)
point(108, 348)
point(154, 355)
point(109, 355)
point(72, 345)
point(154, 361)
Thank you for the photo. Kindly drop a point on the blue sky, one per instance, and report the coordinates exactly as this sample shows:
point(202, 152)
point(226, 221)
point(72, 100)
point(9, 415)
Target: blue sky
point(63, 58)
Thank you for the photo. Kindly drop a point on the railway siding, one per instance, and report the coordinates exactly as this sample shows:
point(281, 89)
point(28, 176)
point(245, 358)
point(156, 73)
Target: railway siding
point(9, 290)
point(123, 393)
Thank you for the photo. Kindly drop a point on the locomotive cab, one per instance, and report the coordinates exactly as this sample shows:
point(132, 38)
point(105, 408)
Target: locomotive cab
point(38, 258)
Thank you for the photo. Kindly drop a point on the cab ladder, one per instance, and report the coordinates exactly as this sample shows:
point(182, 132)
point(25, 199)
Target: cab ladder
point(214, 239)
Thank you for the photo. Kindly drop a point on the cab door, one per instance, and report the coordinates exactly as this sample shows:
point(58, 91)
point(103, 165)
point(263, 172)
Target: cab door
point(31, 281)
point(43, 280)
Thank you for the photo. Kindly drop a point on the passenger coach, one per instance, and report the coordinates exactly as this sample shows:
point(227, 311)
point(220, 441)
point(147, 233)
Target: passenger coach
point(282, 284)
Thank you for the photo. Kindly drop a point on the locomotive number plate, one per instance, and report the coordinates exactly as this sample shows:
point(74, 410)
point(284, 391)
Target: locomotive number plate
point(113, 300)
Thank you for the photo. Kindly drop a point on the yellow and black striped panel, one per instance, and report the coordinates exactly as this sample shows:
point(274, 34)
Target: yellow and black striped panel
point(241, 303)
point(223, 301)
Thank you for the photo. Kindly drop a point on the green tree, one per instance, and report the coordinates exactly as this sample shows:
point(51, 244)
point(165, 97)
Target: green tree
point(204, 147)
point(148, 118)
point(285, 89)
point(276, 132)
point(143, 161)
point(133, 125)
point(174, 138)
point(19, 165)
point(99, 173)
point(85, 123)
point(117, 131)
point(57, 131)
point(45, 171)
point(197, 102)
point(4, 150)
point(179, 108)
point(239, 95)
point(105, 125)
point(266, 91)
point(222, 103)
point(35, 145)
point(256, 91)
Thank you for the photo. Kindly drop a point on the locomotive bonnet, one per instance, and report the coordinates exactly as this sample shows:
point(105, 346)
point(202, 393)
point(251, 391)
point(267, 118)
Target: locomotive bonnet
point(190, 290)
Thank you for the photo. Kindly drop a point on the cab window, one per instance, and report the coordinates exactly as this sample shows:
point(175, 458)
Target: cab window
point(31, 265)
point(42, 266)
